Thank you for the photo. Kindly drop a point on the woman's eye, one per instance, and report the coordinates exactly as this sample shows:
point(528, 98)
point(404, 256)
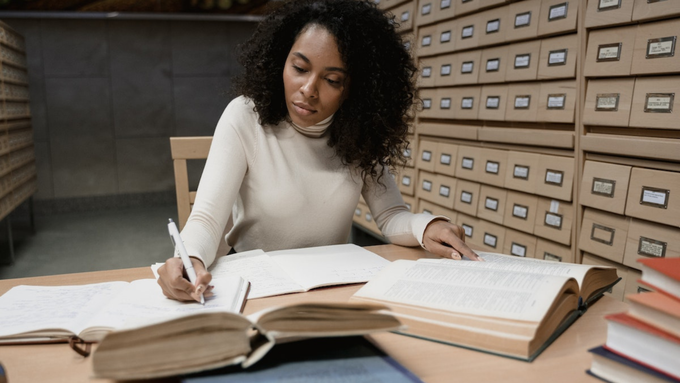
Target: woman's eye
point(298, 69)
point(333, 82)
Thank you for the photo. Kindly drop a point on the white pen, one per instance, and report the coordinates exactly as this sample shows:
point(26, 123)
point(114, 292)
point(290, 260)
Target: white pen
point(179, 245)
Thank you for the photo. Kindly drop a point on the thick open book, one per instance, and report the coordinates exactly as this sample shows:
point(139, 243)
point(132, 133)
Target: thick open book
point(55, 313)
point(507, 305)
point(299, 270)
point(211, 340)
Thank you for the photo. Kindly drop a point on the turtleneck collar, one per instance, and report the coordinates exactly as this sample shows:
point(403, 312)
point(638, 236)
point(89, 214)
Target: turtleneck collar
point(314, 131)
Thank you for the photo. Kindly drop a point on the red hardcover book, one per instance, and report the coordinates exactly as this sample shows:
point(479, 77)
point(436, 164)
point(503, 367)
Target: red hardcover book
point(643, 343)
point(662, 274)
point(656, 309)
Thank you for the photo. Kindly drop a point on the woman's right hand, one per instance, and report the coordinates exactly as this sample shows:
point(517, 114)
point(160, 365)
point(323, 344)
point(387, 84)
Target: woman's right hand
point(175, 285)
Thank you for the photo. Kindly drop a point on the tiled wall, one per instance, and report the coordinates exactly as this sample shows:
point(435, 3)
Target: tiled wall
point(107, 94)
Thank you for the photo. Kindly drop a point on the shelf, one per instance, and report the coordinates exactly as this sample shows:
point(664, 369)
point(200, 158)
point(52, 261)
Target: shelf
point(644, 147)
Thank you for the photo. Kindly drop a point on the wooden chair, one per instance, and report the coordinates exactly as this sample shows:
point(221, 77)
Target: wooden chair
point(183, 149)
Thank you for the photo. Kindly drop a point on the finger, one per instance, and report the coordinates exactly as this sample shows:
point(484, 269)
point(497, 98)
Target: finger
point(465, 250)
point(172, 281)
point(443, 250)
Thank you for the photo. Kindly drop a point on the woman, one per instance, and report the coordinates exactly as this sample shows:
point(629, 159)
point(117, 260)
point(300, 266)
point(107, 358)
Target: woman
point(323, 115)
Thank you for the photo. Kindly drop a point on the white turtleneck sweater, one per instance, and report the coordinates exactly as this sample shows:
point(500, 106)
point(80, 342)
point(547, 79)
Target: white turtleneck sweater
point(285, 188)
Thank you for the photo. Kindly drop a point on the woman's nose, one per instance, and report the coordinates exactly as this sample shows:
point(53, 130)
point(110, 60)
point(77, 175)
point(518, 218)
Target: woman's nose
point(309, 88)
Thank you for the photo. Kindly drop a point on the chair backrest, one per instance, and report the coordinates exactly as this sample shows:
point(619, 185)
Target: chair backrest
point(183, 149)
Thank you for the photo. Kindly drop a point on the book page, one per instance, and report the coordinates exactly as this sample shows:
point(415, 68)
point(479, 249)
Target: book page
point(266, 277)
point(143, 302)
point(329, 265)
point(461, 288)
point(32, 308)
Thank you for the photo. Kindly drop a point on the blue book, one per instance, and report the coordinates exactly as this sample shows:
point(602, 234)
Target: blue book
point(344, 359)
point(614, 368)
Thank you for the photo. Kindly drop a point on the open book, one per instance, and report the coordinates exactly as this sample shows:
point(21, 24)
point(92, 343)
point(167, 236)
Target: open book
point(210, 340)
point(507, 305)
point(299, 270)
point(54, 313)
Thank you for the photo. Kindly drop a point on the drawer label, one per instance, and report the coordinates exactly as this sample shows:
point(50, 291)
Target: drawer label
point(405, 16)
point(408, 206)
point(445, 159)
point(659, 102)
point(357, 212)
point(521, 171)
point(427, 155)
point(466, 103)
point(492, 65)
point(445, 103)
point(406, 181)
point(444, 191)
point(554, 177)
point(522, 102)
point(426, 9)
point(553, 220)
point(492, 26)
point(651, 247)
point(607, 102)
point(609, 52)
point(522, 19)
point(491, 203)
point(369, 217)
point(606, 5)
point(655, 197)
point(556, 101)
point(445, 4)
point(445, 37)
point(425, 211)
point(467, 32)
point(522, 60)
point(445, 70)
point(407, 153)
point(602, 234)
point(467, 67)
point(558, 57)
point(490, 240)
point(427, 72)
point(492, 102)
point(603, 187)
point(492, 167)
point(468, 163)
point(558, 11)
point(663, 47)
point(467, 229)
point(518, 250)
point(520, 211)
point(427, 103)
point(551, 257)
point(426, 41)
point(427, 185)
point(466, 197)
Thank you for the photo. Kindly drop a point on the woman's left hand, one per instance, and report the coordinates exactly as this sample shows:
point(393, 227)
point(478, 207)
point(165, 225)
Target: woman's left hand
point(447, 240)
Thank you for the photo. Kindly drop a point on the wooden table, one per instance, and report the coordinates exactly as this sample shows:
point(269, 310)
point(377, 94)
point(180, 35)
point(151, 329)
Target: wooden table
point(564, 361)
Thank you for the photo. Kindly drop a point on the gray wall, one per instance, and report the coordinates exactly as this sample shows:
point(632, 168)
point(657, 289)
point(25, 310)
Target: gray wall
point(107, 94)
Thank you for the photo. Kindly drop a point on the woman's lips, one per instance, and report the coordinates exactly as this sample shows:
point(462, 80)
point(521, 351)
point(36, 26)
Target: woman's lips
point(303, 110)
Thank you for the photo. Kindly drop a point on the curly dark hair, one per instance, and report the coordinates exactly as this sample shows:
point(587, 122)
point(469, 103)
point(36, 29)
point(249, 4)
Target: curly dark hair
point(370, 127)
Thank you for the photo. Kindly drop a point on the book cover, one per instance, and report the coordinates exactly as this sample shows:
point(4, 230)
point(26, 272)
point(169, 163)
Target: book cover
point(656, 309)
point(662, 274)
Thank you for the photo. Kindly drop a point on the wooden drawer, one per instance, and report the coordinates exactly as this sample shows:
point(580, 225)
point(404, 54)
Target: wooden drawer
point(446, 39)
point(445, 191)
point(555, 177)
point(650, 240)
point(655, 48)
point(446, 9)
point(632, 286)
point(407, 179)
point(522, 171)
point(426, 45)
point(494, 100)
point(411, 151)
point(653, 195)
point(494, 163)
point(426, 188)
point(646, 9)
point(493, 26)
point(468, 29)
point(523, 61)
point(618, 290)
point(523, 22)
point(654, 100)
point(554, 220)
point(472, 229)
point(366, 219)
point(493, 236)
point(608, 12)
point(608, 102)
point(522, 102)
point(493, 65)
point(404, 15)
point(610, 52)
point(469, 163)
point(466, 198)
point(445, 161)
point(605, 186)
point(428, 98)
point(426, 207)
point(557, 16)
point(551, 251)
point(558, 57)
point(519, 244)
point(426, 12)
point(428, 72)
point(557, 102)
point(466, 102)
point(491, 206)
point(604, 234)
point(468, 6)
point(467, 66)
point(445, 70)
point(426, 155)
point(520, 211)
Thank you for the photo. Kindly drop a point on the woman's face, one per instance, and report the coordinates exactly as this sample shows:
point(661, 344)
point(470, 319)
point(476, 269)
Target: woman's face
point(315, 79)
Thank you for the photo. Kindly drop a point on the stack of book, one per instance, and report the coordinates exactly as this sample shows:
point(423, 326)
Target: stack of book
point(643, 344)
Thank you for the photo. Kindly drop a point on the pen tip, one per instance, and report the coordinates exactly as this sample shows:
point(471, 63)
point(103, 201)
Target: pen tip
point(169, 220)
